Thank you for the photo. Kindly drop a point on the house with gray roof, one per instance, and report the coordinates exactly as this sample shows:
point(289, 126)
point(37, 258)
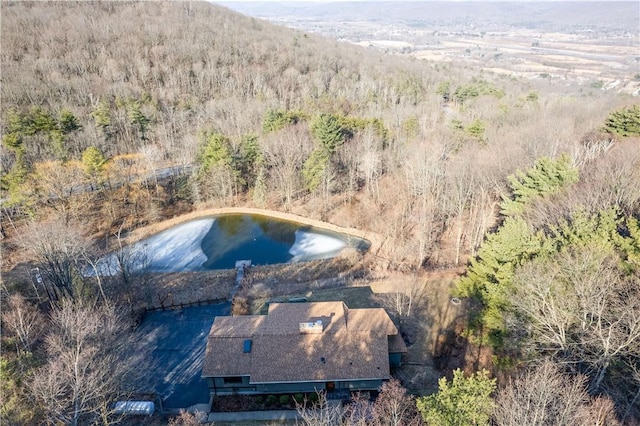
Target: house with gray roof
point(302, 347)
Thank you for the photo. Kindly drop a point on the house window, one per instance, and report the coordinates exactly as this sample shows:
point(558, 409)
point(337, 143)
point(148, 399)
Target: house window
point(232, 380)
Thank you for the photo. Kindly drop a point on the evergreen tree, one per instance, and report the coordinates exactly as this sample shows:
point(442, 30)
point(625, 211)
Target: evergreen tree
point(463, 93)
point(351, 125)
point(276, 119)
point(444, 90)
point(136, 117)
point(15, 122)
point(248, 159)
point(217, 177)
point(58, 144)
point(476, 129)
point(314, 168)
point(93, 162)
point(14, 142)
point(39, 121)
point(215, 151)
point(532, 96)
point(585, 230)
point(461, 402)
point(102, 117)
point(15, 183)
point(630, 246)
point(477, 88)
point(68, 122)
point(625, 122)
point(608, 230)
point(14, 180)
point(547, 176)
point(489, 277)
point(329, 132)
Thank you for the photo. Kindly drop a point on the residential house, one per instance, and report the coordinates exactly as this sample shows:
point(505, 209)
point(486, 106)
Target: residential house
point(302, 347)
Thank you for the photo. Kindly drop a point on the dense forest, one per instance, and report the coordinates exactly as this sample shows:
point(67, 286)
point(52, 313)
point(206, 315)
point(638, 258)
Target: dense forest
point(120, 114)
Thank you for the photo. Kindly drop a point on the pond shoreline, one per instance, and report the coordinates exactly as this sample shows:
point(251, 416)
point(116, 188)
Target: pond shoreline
point(144, 232)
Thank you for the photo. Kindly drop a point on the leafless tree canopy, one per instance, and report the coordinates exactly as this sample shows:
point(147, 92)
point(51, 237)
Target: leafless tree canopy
point(320, 412)
point(583, 310)
point(22, 319)
point(394, 406)
point(87, 367)
point(59, 248)
point(185, 418)
point(544, 395)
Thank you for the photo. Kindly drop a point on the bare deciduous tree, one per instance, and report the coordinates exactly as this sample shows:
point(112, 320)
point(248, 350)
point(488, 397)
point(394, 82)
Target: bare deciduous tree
point(581, 308)
point(545, 396)
point(185, 418)
point(22, 320)
point(601, 411)
point(370, 162)
point(57, 182)
point(153, 157)
point(285, 152)
point(460, 195)
point(87, 366)
point(424, 179)
point(320, 412)
point(407, 293)
point(58, 247)
point(394, 407)
point(359, 410)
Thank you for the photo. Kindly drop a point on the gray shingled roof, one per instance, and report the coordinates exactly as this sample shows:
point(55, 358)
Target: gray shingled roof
point(353, 345)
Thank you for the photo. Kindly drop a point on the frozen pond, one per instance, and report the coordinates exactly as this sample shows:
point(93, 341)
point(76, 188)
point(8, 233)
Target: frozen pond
point(217, 242)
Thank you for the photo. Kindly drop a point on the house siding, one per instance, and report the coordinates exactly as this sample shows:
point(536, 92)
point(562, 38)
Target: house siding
point(395, 359)
point(217, 386)
point(246, 388)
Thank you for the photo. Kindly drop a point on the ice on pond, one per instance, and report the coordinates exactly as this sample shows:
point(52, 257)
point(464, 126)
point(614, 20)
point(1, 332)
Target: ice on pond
point(312, 246)
point(212, 243)
point(174, 250)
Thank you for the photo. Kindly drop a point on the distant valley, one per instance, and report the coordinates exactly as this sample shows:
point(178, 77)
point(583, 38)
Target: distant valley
point(594, 44)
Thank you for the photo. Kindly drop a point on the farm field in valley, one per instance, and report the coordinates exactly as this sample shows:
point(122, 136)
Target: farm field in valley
point(552, 41)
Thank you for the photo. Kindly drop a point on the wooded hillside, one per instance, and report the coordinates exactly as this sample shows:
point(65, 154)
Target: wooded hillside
point(119, 114)
point(119, 89)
